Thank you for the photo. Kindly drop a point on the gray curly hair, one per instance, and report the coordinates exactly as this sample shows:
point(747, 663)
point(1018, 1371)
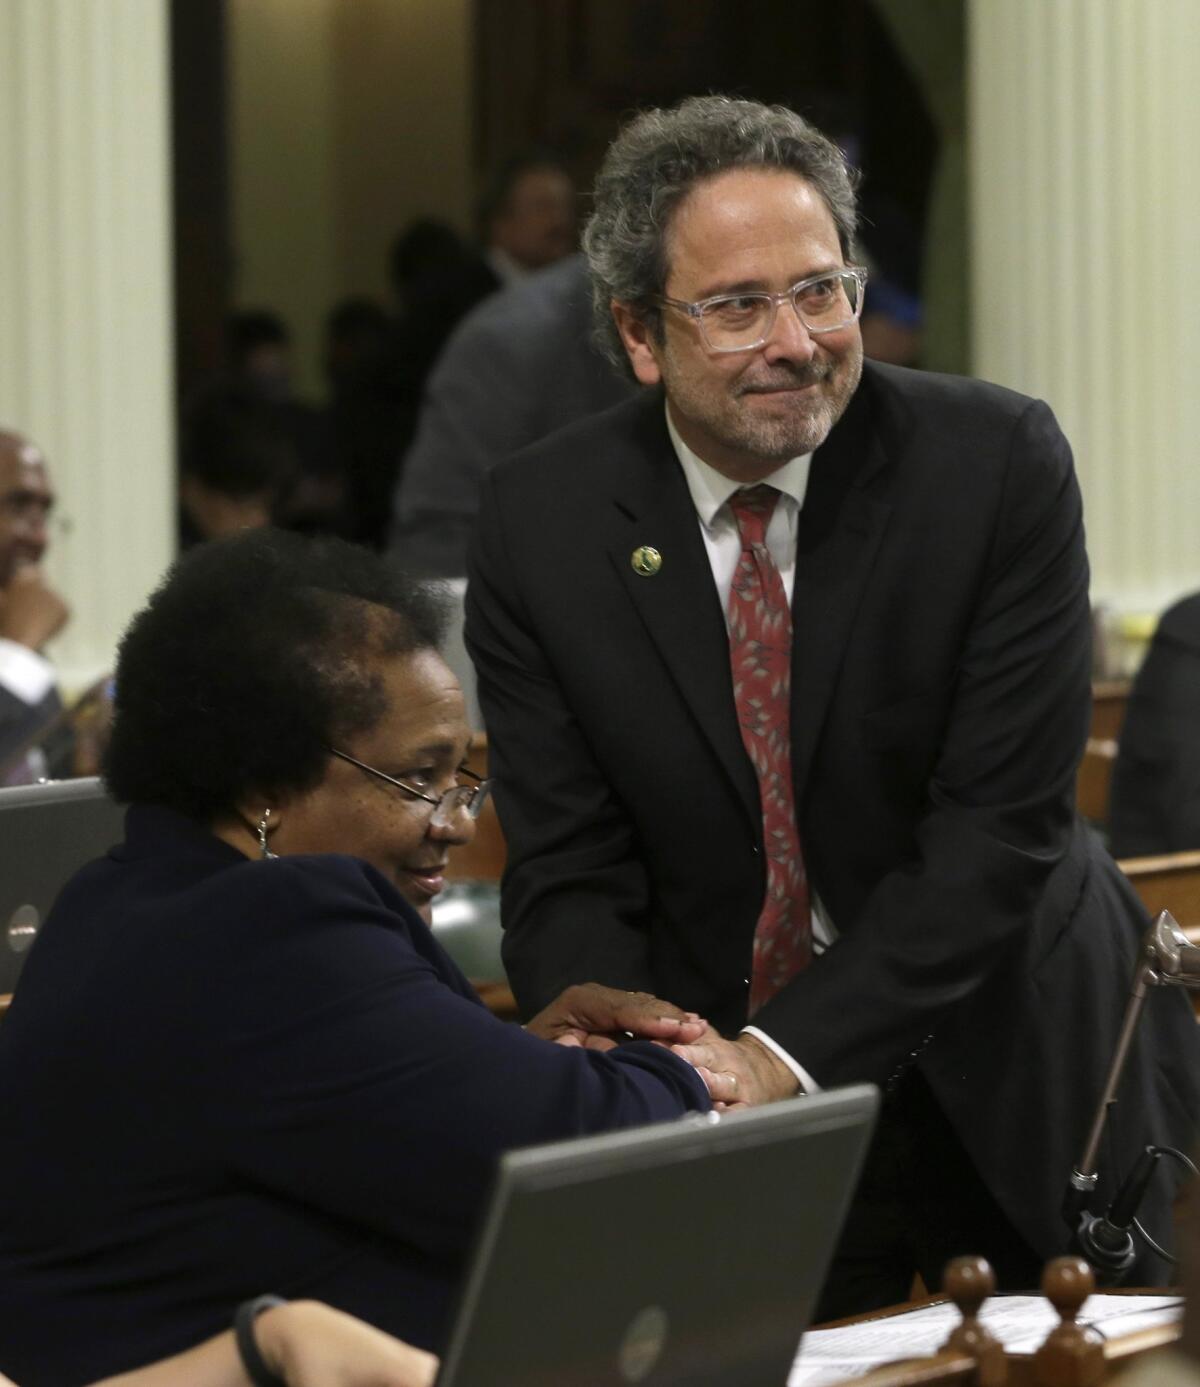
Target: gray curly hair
point(654, 163)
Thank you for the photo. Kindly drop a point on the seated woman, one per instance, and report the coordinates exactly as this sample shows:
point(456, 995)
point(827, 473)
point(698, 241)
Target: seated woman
point(238, 1060)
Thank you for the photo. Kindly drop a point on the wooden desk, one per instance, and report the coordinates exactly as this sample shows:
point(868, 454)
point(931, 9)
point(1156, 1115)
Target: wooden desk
point(1168, 882)
point(951, 1366)
point(1093, 783)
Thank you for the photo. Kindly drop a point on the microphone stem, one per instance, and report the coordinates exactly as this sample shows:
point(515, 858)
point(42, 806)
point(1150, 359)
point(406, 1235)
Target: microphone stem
point(1142, 979)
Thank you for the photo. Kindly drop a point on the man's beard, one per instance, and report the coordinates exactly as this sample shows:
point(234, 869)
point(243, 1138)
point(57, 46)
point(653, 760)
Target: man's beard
point(802, 430)
point(788, 434)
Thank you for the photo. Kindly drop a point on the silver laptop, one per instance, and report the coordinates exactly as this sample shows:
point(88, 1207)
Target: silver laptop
point(47, 832)
point(679, 1255)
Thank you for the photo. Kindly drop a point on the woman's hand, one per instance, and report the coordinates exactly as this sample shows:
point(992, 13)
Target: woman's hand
point(600, 1017)
point(305, 1343)
point(313, 1345)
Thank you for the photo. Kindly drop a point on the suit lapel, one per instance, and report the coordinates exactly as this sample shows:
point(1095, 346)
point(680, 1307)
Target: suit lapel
point(840, 528)
point(678, 604)
point(839, 533)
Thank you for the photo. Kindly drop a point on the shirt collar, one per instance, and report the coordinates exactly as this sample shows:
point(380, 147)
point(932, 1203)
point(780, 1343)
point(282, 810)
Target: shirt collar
point(710, 489)
point(506, 269)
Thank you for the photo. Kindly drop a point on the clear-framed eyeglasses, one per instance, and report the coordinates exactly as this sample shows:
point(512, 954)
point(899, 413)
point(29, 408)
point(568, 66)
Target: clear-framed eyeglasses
point(451, 805)
point(742, 322)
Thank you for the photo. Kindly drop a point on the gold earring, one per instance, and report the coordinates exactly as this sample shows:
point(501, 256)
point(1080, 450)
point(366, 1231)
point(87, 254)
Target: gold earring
point(262, 836)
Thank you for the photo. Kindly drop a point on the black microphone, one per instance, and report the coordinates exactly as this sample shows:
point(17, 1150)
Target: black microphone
point(1123, 1210)
point(1105, 1239)
point(1166, 956)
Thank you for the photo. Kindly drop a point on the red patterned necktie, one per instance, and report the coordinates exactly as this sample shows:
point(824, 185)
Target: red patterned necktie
point(760, 651)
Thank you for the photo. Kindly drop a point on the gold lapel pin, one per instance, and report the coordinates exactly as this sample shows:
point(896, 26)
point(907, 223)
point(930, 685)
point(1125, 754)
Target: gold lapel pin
point(645, 561)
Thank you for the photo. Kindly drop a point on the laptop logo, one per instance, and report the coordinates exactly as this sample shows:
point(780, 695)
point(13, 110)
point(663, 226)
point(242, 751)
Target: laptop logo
point(642, 1343)
point(22, 927)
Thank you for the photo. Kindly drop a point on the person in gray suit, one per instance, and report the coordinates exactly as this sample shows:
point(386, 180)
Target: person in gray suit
point(30, 610)
point(518, 367)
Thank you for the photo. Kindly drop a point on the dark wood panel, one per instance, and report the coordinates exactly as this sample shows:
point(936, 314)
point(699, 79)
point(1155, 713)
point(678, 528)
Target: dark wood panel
point(567, 72)
point(199, 188)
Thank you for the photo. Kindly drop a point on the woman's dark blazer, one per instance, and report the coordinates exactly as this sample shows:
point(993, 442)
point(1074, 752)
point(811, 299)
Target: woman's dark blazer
point(222, 1077)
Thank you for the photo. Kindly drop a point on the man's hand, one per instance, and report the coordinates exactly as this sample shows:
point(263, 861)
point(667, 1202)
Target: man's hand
point(30, 610)
point(600, 1017)
point(740, 1073)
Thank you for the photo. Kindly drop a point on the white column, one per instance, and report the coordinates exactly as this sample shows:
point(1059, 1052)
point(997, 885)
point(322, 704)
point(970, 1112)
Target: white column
point(1084, 120)
point(86, 341)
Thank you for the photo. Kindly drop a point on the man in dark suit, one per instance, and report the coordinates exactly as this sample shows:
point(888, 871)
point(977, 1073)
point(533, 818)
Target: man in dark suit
point(30, 610)
point(1156, 781)
point(785, 671)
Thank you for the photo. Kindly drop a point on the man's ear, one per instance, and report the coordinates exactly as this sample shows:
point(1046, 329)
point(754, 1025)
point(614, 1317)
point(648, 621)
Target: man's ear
point(638, 342)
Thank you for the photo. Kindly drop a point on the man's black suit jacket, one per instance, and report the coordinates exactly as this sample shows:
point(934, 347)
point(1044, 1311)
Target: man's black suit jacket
point(1156, 781)
point(940, 704)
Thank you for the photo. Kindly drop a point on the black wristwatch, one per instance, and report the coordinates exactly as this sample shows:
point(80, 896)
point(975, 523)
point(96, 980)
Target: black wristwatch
point(247, 1345)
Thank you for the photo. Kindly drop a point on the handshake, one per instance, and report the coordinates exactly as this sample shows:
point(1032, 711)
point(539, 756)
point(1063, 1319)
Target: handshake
point(738, 1073)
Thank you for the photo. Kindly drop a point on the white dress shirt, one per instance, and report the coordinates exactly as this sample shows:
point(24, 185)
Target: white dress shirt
point(26, 675)
point(710, 492)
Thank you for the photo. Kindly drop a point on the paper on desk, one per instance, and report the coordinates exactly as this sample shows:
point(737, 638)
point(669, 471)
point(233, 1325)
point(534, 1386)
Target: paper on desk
point(1020, 1322)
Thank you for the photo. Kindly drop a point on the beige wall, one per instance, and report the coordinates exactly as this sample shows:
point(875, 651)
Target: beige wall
point(347, 119)
point(86, 350)
point(403, 130)
point(1085, 202)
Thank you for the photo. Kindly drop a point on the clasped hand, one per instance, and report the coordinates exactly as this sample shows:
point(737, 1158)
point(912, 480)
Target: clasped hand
point(599, 1017)
point(738, 1073)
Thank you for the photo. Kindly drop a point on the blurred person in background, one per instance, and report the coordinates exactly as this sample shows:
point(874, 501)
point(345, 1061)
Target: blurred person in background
point(255, 392)
point(437, 278)
point(1156, 780)
point(520, 366)
point(31, 611)
point(527, 220)
point(238, 470)
point(374, 384)
point(259, 350)
point(527, 215)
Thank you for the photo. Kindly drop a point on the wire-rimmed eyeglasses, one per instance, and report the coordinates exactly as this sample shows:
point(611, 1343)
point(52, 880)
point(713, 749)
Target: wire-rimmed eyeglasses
point(741, 322)
point(458, 799)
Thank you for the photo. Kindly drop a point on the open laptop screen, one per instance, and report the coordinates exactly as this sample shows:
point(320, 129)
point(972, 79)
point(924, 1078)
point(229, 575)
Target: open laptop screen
point(687, 1253)
point(47, 832)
